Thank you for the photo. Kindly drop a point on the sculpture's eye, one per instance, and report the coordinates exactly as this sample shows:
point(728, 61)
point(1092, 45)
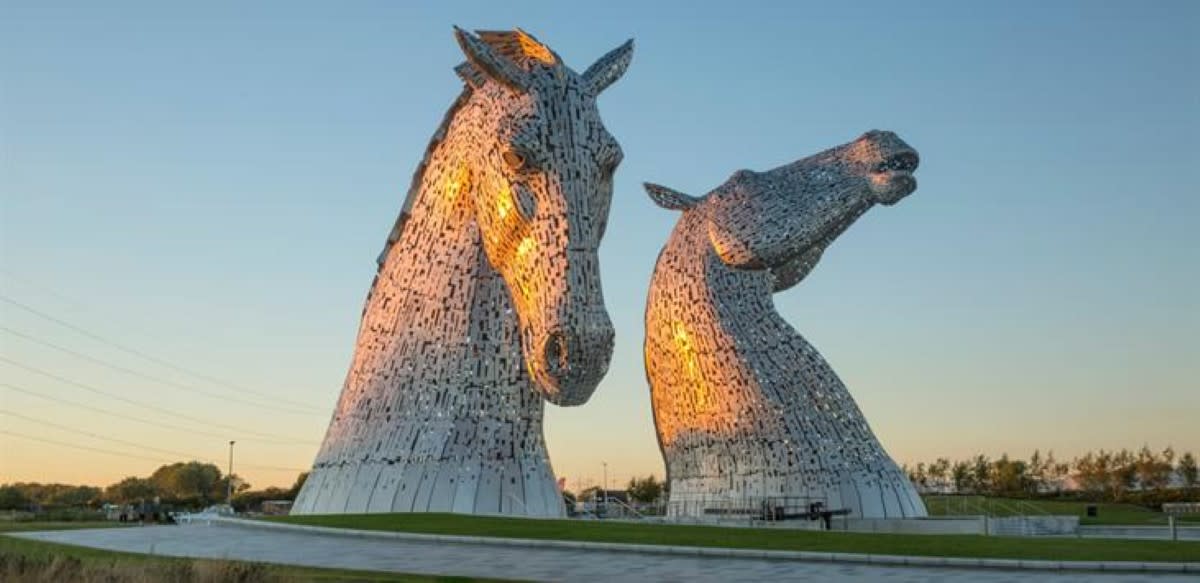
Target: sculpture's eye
point(513, 159)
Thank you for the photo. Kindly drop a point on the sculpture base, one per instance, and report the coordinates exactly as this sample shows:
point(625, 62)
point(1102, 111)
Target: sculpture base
point(431, 487)
point(773, 499)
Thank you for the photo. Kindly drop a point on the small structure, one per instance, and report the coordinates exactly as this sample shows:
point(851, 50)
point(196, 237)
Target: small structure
point(117, 512)
point(276, 507)
point(1173, 510)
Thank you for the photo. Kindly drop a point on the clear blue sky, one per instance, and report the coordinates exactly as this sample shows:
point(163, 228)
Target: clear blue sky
point(211, 183)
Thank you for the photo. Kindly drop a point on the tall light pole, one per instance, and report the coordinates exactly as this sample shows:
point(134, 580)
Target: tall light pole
point(605, 464)
point(229, 478)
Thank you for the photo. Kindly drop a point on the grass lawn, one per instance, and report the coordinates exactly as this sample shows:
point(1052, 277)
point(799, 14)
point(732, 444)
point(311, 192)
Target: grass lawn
point(28, 560)
point(1107, 513)
point(766, 538)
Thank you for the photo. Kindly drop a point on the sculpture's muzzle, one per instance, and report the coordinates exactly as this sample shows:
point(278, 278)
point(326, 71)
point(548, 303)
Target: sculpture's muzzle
point(891, 168)
point(573, 360)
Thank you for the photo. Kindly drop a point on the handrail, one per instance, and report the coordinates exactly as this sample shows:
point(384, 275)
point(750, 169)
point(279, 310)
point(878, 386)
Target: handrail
point(1181, 508)
point(975, 504)
point(608, 499)
point(1036, 510)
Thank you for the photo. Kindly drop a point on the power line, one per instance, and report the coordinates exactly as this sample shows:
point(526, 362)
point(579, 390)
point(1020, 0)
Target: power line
point(84, 447)
point(132, 417)
point(135, 403)
point(93, 435)
point(155, 359)
point(169, 382)
point(10, 276)
point(97, 449)
point(135, 444)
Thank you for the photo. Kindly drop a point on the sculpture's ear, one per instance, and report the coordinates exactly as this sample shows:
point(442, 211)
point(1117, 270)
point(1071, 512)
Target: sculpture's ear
point(488, 62)
point(609, 68)
point(471, 75)
point(669, 198)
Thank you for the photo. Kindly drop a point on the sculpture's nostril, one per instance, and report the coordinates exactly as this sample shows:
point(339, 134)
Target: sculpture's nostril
point(555, 352)
point(905, 161)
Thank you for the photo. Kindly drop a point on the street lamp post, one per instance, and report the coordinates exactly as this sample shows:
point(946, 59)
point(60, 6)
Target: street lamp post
point(605, 464)
point(229, 478)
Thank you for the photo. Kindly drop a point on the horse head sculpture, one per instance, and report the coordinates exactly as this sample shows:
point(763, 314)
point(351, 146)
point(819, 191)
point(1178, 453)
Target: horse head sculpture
point(540, 177)
point(746, 411)
point(784, 218)
point(487, 302)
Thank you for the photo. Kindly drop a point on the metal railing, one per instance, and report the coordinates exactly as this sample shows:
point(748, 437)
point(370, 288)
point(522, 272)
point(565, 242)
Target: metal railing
point(748, 510)
point(974, 505)
point(629, 510)
point(1002, 516)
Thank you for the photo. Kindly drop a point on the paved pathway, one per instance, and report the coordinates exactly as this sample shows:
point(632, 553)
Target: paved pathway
point(320, 550)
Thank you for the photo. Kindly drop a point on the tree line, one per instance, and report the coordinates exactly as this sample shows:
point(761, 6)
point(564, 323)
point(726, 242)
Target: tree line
point(183, 485)
point(641, 490)
point(1142, 476)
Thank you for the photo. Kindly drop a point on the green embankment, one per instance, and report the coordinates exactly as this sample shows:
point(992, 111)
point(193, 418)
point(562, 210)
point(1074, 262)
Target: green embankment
point(1072, 549)
point(1107, 513)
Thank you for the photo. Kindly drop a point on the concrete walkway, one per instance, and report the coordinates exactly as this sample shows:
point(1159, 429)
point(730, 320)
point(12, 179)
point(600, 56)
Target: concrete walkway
point(227, 541)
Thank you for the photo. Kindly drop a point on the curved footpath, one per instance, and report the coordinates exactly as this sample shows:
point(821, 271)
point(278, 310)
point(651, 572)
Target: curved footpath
point(575, 561)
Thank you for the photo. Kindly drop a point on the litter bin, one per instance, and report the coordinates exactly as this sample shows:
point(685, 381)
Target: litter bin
point(1091, 510)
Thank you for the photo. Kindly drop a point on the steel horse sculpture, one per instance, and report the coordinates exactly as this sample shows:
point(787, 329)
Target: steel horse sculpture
point(487, 300)
point(748, 414)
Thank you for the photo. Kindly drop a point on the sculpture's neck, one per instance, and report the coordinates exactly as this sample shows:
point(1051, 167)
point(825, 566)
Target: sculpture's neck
point(716, 292)
point(702, 320)
point(436, 293)
point(439, 339)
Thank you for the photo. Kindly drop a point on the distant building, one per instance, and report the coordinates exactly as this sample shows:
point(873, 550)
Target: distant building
point(276, 507)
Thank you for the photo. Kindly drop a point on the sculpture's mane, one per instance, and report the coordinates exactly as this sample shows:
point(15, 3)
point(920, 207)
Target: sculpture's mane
point(516, 45)
point(520, 47)
point(414, 188)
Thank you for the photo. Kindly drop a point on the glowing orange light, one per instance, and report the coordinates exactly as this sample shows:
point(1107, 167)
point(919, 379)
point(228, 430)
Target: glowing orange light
point(534, 49)
point(687, 349)
point(527, 244)
point(457, 182)
point(523, 284)
point(504, 202)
